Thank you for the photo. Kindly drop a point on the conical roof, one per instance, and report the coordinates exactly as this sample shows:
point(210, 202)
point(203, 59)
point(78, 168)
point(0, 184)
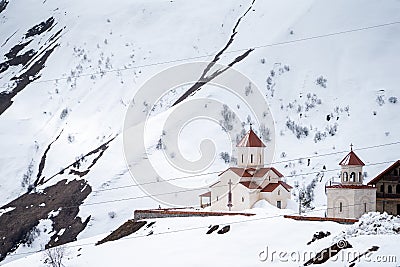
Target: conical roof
point(250, 140)
point(352, 159)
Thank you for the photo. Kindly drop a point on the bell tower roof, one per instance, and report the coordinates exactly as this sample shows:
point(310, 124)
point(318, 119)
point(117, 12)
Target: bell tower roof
point(351, 159)
point(250, 140)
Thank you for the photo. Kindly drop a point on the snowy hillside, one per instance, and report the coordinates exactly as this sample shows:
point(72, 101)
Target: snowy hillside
point(247, 243)
point(69, 71)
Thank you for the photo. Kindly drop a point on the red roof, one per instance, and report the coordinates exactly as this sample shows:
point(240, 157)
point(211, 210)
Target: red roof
point(351, 159)
point(206, 194)
point(243, 172)
point(250, 185)
point(385, 172)
point(250, 140)
point(272, 186)
point(351, 186)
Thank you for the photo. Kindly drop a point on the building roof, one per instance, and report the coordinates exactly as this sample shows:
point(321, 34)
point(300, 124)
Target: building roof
point(250, 185)
point(351, 186)
point(272, 186)
point(206, 194)
point(352, 159)
point(250, 140)
point(245, 172)
point(385, 172)
point(217, 182)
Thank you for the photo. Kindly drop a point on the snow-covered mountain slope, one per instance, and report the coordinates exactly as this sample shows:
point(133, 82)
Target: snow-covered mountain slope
point(255, 241)
point(71, 69)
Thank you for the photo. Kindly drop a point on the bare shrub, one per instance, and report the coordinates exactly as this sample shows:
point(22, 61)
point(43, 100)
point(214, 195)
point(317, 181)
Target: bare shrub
point(393, 99)
point(321, 81)
point(54, 256)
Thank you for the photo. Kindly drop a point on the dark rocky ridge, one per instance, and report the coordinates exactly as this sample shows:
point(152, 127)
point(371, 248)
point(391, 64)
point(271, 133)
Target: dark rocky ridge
point(3, 5)
point(65, 197)
point(32, 61)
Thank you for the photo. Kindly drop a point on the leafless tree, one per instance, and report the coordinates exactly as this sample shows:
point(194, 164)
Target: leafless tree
point(54, 256)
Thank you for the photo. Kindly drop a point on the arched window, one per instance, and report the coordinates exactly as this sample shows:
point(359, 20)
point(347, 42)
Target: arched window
point(340, 207)
point(365, 207)
point(242, 199)
point(260, 159)
point(382, 188)
point(353, 177)
point(360, 177)
point(251, 158)
point(345, 176)
point(390, 189)
point(242, 158)
point(398, 190)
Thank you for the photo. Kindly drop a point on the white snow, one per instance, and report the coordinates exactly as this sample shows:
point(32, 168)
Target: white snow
point(183, 242)
point(118, 45)
point(3, 211)
point(373, 223)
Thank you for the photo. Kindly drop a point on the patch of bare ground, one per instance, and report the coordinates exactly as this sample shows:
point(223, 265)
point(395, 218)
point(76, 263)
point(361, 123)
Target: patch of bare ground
point(327, 253)
point(128, 228)
point(62, 199)
point(370, 250)
point(319, 235)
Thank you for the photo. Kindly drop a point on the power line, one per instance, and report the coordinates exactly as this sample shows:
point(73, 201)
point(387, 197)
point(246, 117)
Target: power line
point(283, 161)
point(187, 190)
point(192, 228)
point(196, 189)
point(226, 52)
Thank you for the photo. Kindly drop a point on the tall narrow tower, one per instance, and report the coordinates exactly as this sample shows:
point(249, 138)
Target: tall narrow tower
point(250, 151)
point(350, 199)
point(351, 172)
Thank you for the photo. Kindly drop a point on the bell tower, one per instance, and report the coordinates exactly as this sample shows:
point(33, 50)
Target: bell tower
point(250, 151)
point(351, 172)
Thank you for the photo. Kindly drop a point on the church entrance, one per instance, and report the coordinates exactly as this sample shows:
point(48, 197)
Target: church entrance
point(279, 204)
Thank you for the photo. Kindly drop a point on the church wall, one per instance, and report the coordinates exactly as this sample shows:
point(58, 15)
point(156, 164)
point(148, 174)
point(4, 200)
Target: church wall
point(352, 202)
point(219, 194)
point(270, 177)
point(335, 196)
point(246, 152)
point(365, 201)
point(349, 169)
point(273, 197)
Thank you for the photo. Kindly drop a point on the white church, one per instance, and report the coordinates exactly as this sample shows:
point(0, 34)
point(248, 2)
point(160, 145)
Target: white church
point(241, 187)
point(350, 199)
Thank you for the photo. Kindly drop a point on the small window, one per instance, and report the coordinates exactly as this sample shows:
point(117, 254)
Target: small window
point(242, 158)
point(365, 207)
point(345, 176)
point(269, 178)
point(398, 191)
point(390, 189)
point(217, 198)
point(251, 158)
point(360, 177)
point(382, 188)
point(279, 192)
point(260, 159)
point(353, 177)
point(340, 207)
point(242, 199)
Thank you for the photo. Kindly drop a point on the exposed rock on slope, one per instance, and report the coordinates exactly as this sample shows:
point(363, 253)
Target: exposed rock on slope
point(59, 202)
